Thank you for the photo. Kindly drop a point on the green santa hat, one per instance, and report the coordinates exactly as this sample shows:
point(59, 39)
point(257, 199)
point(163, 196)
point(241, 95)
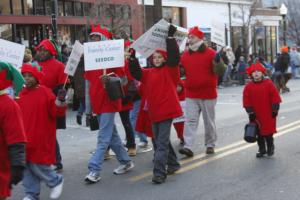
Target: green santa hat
point(9, 75)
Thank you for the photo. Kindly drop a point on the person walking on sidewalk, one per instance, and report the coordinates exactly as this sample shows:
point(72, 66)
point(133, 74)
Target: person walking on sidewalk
point(201, 65)
point(12, 133)
point(261, 101)
point(162, 102)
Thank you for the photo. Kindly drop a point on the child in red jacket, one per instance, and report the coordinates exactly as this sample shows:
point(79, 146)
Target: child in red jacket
point(40, 108)
point(261, 101)
point(12, 134)
point(162, 103)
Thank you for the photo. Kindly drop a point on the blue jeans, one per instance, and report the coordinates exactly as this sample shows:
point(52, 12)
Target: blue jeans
point(34, 174)
point(81, 108)
point(88, 109)
point(107, 136)
point(133, 117)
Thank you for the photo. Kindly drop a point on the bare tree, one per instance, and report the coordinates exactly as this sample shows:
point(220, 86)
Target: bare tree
point(293, 29)
point(246, 17)
point(116, 17)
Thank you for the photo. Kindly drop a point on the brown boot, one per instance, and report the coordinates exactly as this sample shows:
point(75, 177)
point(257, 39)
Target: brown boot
point(131, 151)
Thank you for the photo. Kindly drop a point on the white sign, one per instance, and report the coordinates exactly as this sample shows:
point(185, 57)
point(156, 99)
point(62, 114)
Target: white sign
point(74, 58)
point(104, 54)
point(12, 53)
point(155, 38)
point(181, 118)
point(218, 33)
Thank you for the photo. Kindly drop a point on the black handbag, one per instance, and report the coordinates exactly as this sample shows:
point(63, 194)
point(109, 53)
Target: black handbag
point(251, 132)
point(94, 125)
point(114, 88)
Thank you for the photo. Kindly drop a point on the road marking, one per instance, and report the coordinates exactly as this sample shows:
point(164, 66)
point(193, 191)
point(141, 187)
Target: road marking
point(232, 148)
point(227, 153)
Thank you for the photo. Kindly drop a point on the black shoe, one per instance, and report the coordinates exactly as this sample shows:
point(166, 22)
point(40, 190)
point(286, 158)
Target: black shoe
point(186, 151)
point(260, 154)
point(210, 150)
point(171, 171)
point(158, 179)
point(271, 151)
point(79, 119)
point(58, 168)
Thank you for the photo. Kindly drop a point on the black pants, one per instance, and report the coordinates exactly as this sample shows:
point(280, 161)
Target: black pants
point(263, 140)
point(130, 140)
point(164, 154)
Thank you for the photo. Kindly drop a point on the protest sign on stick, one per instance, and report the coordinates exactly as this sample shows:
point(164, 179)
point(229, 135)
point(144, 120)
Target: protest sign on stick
point(12, 53)
point(103, 54)
point(218, 33)
point(155, 38)
point(74, 58)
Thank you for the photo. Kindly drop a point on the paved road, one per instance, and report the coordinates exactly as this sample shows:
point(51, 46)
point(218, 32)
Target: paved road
point(233, 173)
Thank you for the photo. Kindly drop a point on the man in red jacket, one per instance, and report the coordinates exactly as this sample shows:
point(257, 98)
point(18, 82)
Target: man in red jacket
point(12, 134)
point(40, 107)
point(105, 109)
point(54, 78)
point(200, 66)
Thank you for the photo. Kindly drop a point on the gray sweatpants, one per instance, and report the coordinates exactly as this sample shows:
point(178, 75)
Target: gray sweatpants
point(194, 107)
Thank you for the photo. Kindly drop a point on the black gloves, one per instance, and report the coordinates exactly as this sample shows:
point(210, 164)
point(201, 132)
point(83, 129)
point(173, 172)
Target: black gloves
point(172, 30)
point(61, 95)
point(274, 113)
point(16, 174)
point(17, 162)
point(252, 116)
point(132, 53)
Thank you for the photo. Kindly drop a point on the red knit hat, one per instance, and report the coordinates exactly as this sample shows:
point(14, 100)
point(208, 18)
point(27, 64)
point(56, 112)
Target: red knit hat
point(196, 32)
point(48, 45)
point(34, 69)
point(98, 31)
point(127, 43)
point(162, 52)
point(256, 67)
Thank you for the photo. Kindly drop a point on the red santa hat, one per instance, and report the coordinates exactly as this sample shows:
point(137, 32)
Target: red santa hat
point(256, 67)
point(162, 52)
point(196, 32)
point(98, 30)
point(34, 69)
point(127, 43)
point(48, 45)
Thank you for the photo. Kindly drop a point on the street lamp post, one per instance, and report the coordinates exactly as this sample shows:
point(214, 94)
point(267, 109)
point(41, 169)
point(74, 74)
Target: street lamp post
point(54, 18)
point(283, 13)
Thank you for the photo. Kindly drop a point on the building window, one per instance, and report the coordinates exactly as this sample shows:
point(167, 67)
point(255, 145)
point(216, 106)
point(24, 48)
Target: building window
point(39, 7)
point(78, 9)
point(4, 7)
point(60, 8)
point(172, 15)
point(17, 7)
point(6, 31)
point(28, 7)
point(69, 8)
point(86, 8)
point(48, 4)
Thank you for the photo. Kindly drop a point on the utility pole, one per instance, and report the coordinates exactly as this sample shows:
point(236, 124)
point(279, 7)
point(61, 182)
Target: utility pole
point(54, 19)
point(230, 25)
point(157, 10)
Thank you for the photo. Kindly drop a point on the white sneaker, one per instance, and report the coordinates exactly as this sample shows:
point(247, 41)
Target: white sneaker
point(122, 169)
point(92, 177)
point(26, 198)
point(142, 144)
point(57, 190)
